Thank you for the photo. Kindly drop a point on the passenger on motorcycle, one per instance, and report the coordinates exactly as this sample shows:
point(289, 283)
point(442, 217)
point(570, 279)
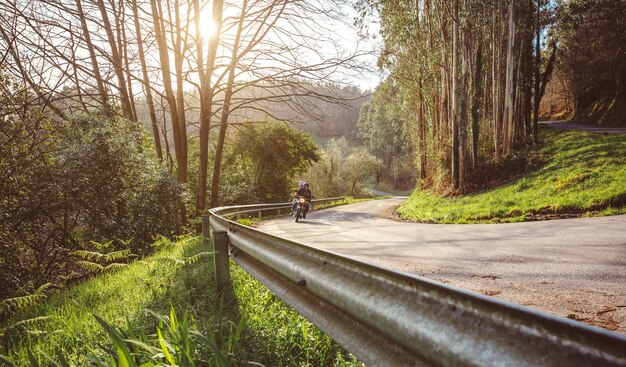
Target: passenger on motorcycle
point(303, 190)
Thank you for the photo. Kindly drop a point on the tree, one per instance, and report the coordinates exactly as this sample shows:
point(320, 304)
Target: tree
point(360, 169)
point(342, 170)
point(434, 52)
point(591, 37)
point(273, 154)
point(386, 127)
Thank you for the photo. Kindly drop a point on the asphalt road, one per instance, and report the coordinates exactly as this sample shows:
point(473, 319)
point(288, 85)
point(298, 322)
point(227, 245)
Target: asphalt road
point(564, 125)
point(574, 268)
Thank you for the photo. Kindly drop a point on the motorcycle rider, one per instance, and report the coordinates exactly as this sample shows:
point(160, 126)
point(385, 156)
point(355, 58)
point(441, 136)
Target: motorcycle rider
point(303, 190)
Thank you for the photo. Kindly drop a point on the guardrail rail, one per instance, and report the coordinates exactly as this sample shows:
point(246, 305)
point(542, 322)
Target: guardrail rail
point(390, 318)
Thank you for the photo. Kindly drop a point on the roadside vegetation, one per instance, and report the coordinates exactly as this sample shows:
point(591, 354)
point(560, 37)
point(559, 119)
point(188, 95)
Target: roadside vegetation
point(343, 170)
point(164, 302)
point(582, 174)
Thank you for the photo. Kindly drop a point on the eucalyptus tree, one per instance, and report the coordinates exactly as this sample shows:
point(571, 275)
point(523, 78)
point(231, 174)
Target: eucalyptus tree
point(436, 50)
point(591, 37)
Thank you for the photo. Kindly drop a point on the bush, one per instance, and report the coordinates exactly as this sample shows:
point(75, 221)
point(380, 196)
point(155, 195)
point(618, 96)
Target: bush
point(262, 163)
point(343, 171)
point(95, 178)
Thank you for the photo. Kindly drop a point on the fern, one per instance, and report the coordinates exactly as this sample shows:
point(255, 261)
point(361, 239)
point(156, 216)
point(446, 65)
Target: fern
point(101, 246)
point(23, 325)
point(114, 267)
point(171, 261)
point(88, 255)
point(29, 322)
point(186, 261)
point(183, 242)
point(199, 256)
point(91, 266)
point(21, 302)
point(116, 255)
point(103, 262)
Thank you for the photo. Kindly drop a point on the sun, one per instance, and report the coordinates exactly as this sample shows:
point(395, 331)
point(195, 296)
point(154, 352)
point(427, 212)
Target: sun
point(207, 27)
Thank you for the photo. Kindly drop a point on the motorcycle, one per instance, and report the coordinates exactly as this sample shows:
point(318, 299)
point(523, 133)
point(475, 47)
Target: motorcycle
point(301, 211)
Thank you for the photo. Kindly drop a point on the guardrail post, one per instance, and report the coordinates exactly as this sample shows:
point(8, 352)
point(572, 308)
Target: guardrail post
point(220, 260)
point(206, 229)
point(260, 214)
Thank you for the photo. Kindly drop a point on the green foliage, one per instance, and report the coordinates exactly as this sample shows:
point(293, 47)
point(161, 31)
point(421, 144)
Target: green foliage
point(27, 150)
point(121, 187)
point(281, 336)
point(387, 128)
point(263, 162)
point(342, 171)
point(175, 343)
point(100, 261)
point(215, 330)
point(119, 298)
point(584, 174)
point(22, 302)
point(69, 183)
point(589, 32)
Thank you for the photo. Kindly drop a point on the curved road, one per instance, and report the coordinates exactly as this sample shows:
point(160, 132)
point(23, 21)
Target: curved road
point(574, 268)
point(572, 126)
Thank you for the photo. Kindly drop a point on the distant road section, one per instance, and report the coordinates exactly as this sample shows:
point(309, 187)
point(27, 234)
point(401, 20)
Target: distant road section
point(574, 268)
point(563, 125)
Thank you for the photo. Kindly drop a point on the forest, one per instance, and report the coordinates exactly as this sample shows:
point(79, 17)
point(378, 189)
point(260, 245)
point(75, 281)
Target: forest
point(123, 121)
point(461, 101)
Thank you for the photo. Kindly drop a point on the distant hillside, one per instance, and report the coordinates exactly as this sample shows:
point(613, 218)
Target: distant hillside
point(324, 111)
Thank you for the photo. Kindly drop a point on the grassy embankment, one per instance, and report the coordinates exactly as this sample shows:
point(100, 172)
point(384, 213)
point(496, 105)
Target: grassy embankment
point(250, 324)
point(583, 174)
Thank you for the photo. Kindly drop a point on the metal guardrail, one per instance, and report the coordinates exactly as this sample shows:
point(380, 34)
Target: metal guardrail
point(390, 318)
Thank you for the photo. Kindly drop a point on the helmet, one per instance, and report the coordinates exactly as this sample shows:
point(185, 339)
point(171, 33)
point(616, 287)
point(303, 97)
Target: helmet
point(306, 185)
point(301, 184)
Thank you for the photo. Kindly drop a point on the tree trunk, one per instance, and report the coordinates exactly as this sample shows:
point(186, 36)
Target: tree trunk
point(179, 50)
point(146, 83)
point(422, 134)
point(497, 93)
point(206, 95)
point(476, 102)
point(157, 19)
point(217, 164)
point(94, 61)
point(454, 94)
point(537, 72)
point(124, 45)
point(116, 59)
point(509, 89)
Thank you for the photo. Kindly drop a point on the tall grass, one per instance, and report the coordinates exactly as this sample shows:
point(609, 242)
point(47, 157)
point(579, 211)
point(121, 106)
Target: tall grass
point(120, 298)
point(163, 311)
point(280, 336)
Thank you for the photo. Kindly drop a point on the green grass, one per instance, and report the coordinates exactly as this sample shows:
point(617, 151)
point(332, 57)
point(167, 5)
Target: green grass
point(119, 298)
point(584, 175)
point(282, 337)
point(248, 325)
